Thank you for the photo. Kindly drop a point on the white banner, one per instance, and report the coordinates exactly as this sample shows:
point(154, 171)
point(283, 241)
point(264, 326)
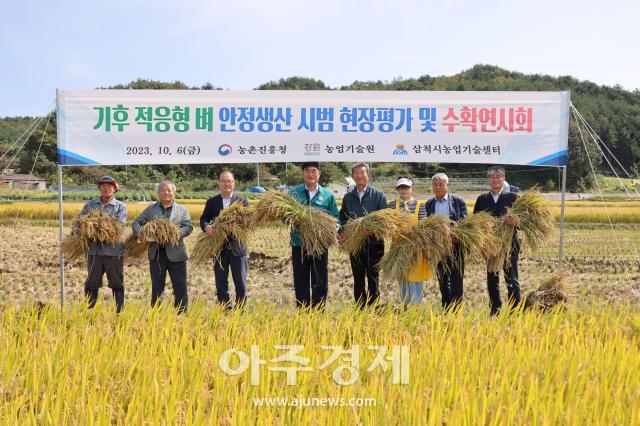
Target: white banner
point(193, 126)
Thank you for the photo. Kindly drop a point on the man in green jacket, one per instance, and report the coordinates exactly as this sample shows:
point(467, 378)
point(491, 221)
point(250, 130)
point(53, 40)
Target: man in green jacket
point(310, 273)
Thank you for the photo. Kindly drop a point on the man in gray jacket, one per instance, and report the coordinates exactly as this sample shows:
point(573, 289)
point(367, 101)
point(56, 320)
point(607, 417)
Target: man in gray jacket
point(106, 258)
point(167, 258)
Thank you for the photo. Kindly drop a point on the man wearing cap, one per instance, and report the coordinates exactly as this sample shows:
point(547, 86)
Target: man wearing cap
point(171, 258)
point(496, 202)
point(364, 199)
point(411, 287)
point(106, 258)
point(450, 272)
point(233, 254)
point(310, 273)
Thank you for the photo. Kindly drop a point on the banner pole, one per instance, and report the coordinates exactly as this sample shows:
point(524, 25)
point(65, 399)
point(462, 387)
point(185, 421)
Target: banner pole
point(60, 205)
point(61, 235)
point(564, 187)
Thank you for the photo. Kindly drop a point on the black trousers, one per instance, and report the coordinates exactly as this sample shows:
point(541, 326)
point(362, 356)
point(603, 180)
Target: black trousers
point(310, 278)
point(178, 274)
point(98, 266)
point(365, 265)
point(450, 275)
point(511, 278)
point(238, 266)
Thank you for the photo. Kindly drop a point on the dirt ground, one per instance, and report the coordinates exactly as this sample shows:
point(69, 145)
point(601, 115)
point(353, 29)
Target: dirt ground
point(603, 263)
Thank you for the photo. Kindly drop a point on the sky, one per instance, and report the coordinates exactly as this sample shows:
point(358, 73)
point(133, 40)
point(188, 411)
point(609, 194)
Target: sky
point(244, 43)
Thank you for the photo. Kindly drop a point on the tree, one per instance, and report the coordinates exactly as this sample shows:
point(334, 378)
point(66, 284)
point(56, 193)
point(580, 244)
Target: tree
point(294, 83)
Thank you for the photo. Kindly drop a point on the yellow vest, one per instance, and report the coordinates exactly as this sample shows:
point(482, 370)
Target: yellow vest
point(421, 270)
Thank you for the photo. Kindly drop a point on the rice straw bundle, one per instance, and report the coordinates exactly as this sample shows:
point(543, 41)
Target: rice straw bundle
point(160, 230)
point(95, 226)
point(317, 229)
point(554, 290)
point(133, 249)
point(533, 220)
point(429, 239)
point(475, 235)
point(398, 259)
point(432, 238)
point(383, 224)
point(233, 222)
point(74, 247)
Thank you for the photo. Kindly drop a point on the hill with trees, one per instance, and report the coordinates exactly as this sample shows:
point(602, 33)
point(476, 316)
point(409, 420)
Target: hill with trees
point(613, 112)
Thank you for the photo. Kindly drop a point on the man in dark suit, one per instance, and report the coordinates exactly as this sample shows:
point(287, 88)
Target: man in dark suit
point(234, 255)
point(496, 202)
point(362, 200)
point(450, 272)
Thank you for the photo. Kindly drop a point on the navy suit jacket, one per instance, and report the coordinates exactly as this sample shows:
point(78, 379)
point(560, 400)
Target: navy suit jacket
point(457, 208)
point(505, 200)
point(212, 210)
point(485, 203)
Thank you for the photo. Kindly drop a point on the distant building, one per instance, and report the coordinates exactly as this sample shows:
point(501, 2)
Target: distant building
point(12, 180)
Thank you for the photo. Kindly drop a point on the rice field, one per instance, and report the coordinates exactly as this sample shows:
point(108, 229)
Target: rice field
point(572, 366)
point(149, 366)
point(575, 211)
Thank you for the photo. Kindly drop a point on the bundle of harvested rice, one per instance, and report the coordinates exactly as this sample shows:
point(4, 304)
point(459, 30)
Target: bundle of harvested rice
point(554, 291)
point(533, 220)
point(475, 235)
point(383, 224)
point(317, 229)
point(432, 237)
point(74, 247)
point(398, 259)
point(429, 239)
point(160, 230)
point(134, 249)
point(95, 226)
point(233, 222)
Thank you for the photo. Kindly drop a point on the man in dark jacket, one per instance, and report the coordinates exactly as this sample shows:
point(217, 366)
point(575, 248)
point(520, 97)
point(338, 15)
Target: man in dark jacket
point(234, 255)
point(364, 199)
point(451, 271)
point(496, 202)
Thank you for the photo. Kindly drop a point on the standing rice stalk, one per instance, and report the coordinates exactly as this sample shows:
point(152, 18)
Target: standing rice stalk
point(533, 220)
point(95, 226)
point(383, 224)
point(317, 229)
point(233, 222)
point(553, 291)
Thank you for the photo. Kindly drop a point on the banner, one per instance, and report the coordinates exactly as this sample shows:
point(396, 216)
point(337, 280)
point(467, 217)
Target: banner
point(113, 127)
